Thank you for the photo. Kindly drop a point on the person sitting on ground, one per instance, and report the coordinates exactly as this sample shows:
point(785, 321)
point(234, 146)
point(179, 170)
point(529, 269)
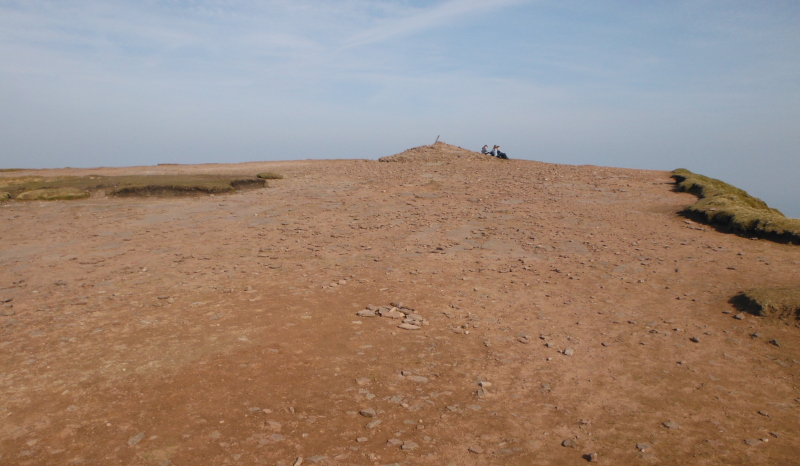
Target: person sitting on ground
point(500, 155)
point(485, 149)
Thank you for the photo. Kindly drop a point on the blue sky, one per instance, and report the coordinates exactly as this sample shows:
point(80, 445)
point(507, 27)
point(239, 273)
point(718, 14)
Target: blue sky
point(712, 86)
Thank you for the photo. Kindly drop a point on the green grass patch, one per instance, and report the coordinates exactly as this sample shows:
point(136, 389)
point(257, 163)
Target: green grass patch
point(270, 176)
point(781, 303)
point(31, 187)
point(732, 209)
point(53, 194)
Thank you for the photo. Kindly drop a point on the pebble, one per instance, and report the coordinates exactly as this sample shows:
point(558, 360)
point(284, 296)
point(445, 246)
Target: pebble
point(775, 342)
point(418, 378)
point(752, 441)
point(362, 439)
point(369, 412)
point(363, 380)
point(569, 352)
point(476, 449)
point(569, 443)
point(591, 457)
point(671, 425)
point(317, 458)
point(643, 446)
point(373, 424)
point(763, 413)
point(366, 313)
point(135, 439)
point(694, 340)
point(739, 316)
point(408, 446)
point(409, 327)
point(394, 442)
point(298, 461)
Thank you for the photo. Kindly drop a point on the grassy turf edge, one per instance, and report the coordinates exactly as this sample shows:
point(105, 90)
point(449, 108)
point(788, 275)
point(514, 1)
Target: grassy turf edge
point(732, 209)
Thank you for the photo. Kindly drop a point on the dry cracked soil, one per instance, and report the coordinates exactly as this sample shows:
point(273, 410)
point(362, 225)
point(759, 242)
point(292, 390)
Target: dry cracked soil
point(556, 312)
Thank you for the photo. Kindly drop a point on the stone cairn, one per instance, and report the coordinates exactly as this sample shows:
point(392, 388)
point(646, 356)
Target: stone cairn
point(411, 320)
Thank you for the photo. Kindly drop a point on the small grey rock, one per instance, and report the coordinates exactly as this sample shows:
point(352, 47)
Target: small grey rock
point(418, 378)
point(394, 442)
point(317, 458)
point(569, 352)
point(694, 340)
point(671, 425)
point(405, 326)
point(366, 313)
point(590, 457)
point(775, 343)
point(373, 424)
point(752, 441)
point(368, 412)
point(739, 316)
point(408, 446)
point(569, 443)
point(135, 439)
point(643, 446)
point(475, 449)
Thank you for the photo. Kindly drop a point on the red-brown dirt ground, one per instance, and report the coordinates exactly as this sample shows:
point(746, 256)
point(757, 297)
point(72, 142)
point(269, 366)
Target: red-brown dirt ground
point(561, 304)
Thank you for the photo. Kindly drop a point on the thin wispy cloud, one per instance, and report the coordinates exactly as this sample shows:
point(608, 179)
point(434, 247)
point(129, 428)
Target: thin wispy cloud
point(419, 19)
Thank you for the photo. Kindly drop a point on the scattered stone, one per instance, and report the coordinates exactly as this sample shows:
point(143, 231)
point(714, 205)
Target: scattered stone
point(671, 425)
point(775, 342)
point(755, 335)
point(392, 313)
point(604, 344)
point(317, 458)
point(373, 424)
point(643, 447)
point(362, 439)
point(763, 413)
point(273, 425)
point(752, 441)
point(7, 312)
point(277, 437)
point(366, 313)
point(569, 352)
point(394, 442)
point(135, 439)
point(591, 457)
point(409, 446)
point(298, 461)
point(342, 282)
point(6, 300)
point(418, 378)
point(569, 443)
point(452, 408)
point(475, 449)
point(694, 340)
point(739, 316)
point(60, 283)
point(409, 327)
point(369, 412)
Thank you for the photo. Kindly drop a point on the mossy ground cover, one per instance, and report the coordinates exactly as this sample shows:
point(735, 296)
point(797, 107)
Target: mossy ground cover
point(781, 303)
point(270, 176)
point(731, 208)
point(41, 188)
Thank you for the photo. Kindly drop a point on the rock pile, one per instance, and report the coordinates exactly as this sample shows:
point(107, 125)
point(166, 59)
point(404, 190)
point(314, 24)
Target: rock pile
point(411, 320)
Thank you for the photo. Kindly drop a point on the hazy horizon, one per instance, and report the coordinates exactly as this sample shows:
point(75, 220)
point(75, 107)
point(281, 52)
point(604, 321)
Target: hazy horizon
point(710, 86)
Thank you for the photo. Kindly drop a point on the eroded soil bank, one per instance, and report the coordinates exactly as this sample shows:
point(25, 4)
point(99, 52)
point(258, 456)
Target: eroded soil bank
point(223, 330)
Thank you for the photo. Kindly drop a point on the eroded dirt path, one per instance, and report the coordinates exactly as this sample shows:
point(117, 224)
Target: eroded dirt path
point(223, 330)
